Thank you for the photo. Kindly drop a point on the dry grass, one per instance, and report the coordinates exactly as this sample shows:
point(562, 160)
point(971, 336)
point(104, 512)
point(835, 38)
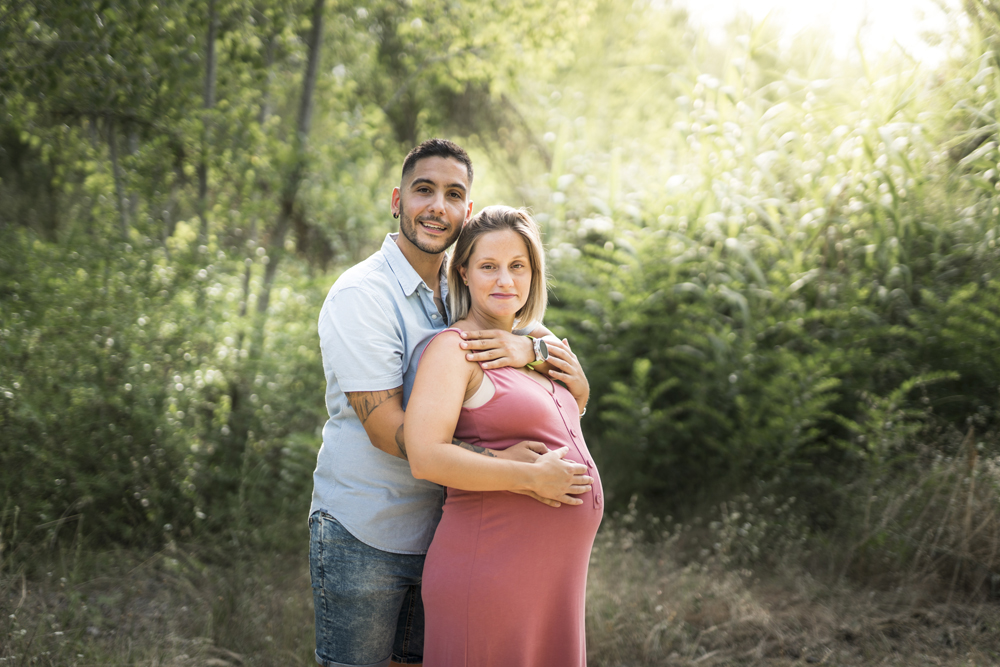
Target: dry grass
point(181, 607)
point(913, 581)
point(647, 609)
point(650, 602)
point(944, 527)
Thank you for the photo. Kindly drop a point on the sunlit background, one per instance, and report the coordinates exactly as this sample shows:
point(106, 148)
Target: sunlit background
point(876, 25)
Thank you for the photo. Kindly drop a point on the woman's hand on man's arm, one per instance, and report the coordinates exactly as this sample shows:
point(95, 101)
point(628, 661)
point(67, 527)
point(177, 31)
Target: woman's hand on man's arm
point(498, 348)
point(567, 369)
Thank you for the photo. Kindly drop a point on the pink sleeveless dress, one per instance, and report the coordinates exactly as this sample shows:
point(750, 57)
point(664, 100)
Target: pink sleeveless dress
point(505, 577)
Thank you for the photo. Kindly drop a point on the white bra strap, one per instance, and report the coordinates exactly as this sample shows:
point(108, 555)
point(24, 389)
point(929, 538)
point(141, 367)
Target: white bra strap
point(483, 395)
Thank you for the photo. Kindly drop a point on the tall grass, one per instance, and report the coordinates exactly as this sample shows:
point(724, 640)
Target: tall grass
point(741, 587)
point(183, 605)
point(750, 586)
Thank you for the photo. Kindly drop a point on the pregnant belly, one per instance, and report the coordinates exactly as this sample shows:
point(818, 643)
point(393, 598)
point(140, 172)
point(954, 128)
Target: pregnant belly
point(480, 524)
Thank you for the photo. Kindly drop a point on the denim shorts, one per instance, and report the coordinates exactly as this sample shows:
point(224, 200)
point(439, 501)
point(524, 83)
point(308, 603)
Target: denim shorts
point(367, 601)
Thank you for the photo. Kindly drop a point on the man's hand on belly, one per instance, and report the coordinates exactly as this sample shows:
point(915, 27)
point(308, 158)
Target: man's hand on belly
point(526, 451)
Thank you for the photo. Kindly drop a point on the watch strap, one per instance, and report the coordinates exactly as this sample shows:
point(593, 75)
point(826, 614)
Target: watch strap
point(534, 348)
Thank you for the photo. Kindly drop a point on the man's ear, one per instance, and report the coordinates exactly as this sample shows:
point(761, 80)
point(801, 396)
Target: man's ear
point(468, 215)
point(396, 203)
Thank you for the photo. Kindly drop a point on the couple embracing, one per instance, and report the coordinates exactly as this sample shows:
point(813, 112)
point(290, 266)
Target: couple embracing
point(455, 502)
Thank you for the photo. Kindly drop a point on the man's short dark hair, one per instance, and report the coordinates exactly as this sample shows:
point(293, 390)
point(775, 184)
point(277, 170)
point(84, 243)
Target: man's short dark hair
point(437, 148)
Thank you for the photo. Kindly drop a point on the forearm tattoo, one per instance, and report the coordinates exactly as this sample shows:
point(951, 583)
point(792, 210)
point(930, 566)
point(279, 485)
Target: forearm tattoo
point(400, 442)
point(474, 448)
point(365, 402)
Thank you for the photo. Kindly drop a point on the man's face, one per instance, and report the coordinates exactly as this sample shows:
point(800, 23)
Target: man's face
point(433, 203)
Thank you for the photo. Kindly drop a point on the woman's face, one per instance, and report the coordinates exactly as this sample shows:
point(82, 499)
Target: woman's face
point(498, 274)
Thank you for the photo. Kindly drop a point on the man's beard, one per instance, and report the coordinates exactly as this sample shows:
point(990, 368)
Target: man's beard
point(409, 229)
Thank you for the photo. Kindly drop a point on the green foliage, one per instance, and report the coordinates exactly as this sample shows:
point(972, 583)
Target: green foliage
point(129, 405)
point(763, 254)
point(889, 424)
point(713, 389)
point(782, 257)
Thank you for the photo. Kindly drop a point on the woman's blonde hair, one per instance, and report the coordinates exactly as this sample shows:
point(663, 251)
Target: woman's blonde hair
point(494, 219)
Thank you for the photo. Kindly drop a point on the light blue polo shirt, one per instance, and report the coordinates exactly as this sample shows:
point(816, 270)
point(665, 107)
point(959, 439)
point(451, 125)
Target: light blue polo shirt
point(373, 327)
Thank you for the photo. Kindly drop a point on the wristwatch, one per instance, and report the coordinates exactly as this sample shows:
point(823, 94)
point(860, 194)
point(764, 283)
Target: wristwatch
point(541, 351)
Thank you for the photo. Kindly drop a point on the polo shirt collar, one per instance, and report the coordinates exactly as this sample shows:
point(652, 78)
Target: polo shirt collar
point(409, 279)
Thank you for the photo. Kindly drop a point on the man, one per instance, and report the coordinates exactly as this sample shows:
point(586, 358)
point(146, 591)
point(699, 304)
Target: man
point(370, 521)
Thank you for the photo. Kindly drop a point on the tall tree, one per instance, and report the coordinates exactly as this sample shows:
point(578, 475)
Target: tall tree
point(209, 104)
point(297, 169)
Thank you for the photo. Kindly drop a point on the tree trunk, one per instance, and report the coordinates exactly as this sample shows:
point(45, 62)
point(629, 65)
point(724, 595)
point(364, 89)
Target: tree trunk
point(289, 193)
point(265, 100)
point(116, 173)
point(241, 418)
point(209, 104)
point(133, 151)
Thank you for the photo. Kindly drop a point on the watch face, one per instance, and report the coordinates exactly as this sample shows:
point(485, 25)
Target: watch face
point(541, 350)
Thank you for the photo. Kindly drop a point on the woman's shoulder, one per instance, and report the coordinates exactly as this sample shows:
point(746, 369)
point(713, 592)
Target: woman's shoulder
point(452, 334)
point(445, 345)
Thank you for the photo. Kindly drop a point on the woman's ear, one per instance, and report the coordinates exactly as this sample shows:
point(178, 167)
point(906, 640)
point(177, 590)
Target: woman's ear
point(462, 271)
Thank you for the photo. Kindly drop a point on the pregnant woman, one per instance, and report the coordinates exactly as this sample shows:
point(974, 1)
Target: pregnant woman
point(505, 577)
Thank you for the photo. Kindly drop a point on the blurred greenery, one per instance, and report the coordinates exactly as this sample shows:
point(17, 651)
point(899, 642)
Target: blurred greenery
point(778, 267)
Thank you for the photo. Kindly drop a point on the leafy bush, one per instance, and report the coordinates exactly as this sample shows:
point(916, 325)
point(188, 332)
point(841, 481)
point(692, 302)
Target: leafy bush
point(791, 263)
point(129, 405)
